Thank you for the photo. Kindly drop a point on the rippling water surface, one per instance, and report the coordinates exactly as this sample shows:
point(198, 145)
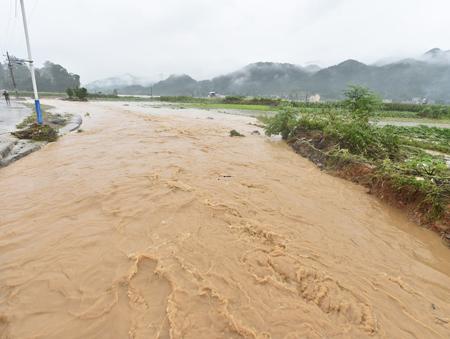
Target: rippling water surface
point(154, 223)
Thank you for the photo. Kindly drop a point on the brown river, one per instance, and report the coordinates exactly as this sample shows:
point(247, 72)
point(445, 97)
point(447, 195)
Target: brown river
point(154, 223)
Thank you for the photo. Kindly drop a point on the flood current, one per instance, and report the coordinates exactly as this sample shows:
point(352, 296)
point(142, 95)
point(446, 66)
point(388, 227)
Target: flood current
point(154, 223)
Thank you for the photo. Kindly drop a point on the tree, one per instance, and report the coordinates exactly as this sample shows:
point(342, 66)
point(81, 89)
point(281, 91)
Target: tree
point(69, 92)
point(81, 93)
point(361, 102)
point(284, 122)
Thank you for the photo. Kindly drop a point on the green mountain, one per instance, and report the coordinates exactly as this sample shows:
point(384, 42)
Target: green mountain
point(426, 77)
point(50, 78)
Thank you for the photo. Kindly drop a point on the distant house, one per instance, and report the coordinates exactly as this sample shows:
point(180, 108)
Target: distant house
point(419, 101)
point(314, 98)
point(215, 95)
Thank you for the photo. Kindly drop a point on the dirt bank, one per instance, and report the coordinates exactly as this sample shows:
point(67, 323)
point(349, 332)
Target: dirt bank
point(155, 223)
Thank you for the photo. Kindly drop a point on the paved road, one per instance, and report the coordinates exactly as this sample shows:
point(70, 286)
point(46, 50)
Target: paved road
point(11, 116)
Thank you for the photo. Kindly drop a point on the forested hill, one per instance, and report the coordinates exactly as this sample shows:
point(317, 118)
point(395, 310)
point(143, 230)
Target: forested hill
point(403, 80)
point(50, 77)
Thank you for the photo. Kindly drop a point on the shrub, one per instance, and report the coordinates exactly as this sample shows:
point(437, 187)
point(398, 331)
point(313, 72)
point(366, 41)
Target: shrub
point(434, 112)
point(77, 93)
point(421, 179)
point(361, 102)
point(37, 132)
point(69, 92)
point(284, 122)
point(81, 93)
point(363, 139)
point(233, 99)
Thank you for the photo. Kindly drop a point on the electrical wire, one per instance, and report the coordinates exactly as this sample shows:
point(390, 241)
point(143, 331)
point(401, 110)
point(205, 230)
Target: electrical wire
point(7, 27)
point(33, 10)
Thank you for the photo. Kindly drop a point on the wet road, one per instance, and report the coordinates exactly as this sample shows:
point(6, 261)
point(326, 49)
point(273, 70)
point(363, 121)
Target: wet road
point(10, 116)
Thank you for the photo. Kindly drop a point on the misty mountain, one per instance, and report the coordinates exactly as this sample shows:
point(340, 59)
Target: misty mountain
point(112, 83)
point(436, 56)
point(50, 78)
point(425, 77)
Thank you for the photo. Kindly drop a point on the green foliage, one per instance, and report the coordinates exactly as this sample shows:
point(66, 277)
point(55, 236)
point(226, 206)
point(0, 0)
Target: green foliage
point(37, 132)
point(27, 121)
point(50, 78)
point(77, 93)
point(364, 139)
point(434, 112)
point(311, 121)
point(233, 99)
point(184, 99)
point(425, 166)
point(422, 178)
point(81, 93)
point(361, 102)
point(284, 122)
point(388, 162)
point(424, 137)
point(69, 92)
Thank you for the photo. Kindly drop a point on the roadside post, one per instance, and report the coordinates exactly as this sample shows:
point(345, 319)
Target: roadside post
point(37, 103)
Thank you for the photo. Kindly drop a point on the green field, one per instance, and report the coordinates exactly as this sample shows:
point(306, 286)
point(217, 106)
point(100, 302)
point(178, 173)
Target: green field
point(243, 107)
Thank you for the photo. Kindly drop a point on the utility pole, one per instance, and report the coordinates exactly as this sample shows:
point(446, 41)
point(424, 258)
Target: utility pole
point(37, 104)
point(12, 74)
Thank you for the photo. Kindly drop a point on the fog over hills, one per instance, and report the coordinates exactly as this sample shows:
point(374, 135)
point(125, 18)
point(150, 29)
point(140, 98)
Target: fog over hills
point(117, 82)
point(51, 77)
point(425, 77)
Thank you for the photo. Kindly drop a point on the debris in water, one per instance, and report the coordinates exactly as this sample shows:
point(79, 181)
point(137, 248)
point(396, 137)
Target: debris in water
point(37, 132)
point(234, 133)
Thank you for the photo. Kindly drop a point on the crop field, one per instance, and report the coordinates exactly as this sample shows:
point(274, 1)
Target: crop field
point(403, 112)
point(262, 108)
point(424, 137)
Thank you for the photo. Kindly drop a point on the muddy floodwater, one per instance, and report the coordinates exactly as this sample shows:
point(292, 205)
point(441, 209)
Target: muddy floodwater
point(154, 223)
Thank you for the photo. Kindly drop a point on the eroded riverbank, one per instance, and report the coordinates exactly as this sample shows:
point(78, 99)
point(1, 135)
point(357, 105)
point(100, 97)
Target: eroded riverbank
point(155, 223)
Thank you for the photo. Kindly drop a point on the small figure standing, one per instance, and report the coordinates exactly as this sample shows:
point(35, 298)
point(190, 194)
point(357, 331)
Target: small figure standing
point(6, 95)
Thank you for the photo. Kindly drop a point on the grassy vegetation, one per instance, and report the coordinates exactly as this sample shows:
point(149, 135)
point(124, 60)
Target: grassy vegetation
point(231, 106)
point(381, 110)
point(41, 94)
point(32, 117)
point(37, 132)
point(423, 137)
point(392, 161)
point(29, 129)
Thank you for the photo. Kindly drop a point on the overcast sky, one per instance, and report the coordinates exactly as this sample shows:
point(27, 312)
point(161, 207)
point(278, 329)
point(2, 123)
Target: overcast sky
point(205, 38)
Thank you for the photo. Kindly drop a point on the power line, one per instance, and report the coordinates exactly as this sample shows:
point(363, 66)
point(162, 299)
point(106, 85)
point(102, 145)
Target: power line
point(37, 103)
point(32, 11)
point(8, 25)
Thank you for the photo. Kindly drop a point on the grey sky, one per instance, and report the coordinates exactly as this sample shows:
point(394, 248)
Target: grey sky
point(102, 38)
